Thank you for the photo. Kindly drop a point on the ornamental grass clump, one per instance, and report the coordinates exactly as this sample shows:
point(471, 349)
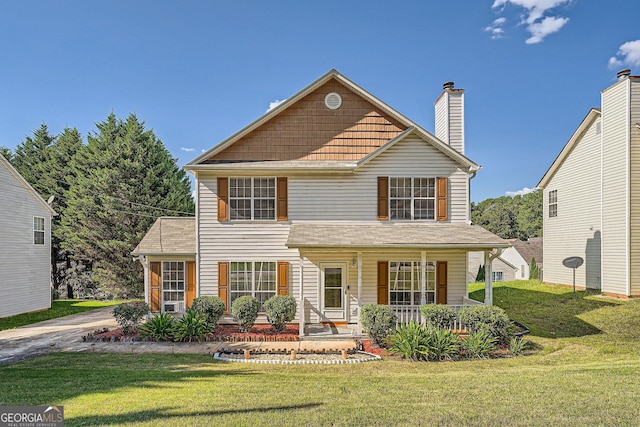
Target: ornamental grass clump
point(193, 325)
point(159, 327)
point(280, 309)
point(245, 310)
point(438, 315)
point(488, 318)
point(478, 345)
point(212, 307)
point(129, 315)
point(378, 321)
point(411, 341)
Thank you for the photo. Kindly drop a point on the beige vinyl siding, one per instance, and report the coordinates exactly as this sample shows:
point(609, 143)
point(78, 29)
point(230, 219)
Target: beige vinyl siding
point(450, 119)
point(615, 189)
point(476, 259)
point(25, 277)
point(576, 229)
point(634, 134)
point(441, 120)
point(512, 256)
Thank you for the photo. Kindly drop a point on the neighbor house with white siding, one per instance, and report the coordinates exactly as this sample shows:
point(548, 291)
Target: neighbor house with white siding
point(592, 196)
point(25, 245)
point(337, 199)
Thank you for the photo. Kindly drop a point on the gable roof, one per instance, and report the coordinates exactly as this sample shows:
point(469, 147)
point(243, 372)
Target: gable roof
point(23, 182)
point(169, 235)
point(591, 116)
point(383, 128)
point(529, 249)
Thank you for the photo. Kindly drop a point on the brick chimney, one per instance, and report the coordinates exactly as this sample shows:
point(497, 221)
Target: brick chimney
point(450, 116)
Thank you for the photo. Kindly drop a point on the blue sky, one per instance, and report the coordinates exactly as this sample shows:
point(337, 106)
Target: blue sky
point(198, 71)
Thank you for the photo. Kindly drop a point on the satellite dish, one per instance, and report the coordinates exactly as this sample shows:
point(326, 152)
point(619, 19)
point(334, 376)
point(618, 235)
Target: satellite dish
point(573, 262)
point(50, 200)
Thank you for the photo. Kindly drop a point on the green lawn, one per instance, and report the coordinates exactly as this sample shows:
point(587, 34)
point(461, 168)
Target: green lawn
point(585, 371)
point(59, 308)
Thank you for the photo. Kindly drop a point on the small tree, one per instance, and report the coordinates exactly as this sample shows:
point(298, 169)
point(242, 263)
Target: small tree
point(534, 270)
point(129, 315)
point(480, 275)
point(280, 309)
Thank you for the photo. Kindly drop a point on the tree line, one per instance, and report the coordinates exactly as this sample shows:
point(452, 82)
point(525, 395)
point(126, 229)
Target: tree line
point(517, 217)
point(107, 193)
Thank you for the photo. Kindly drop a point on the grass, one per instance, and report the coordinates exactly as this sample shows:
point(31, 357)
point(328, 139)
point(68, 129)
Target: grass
point(59, 308)
point(585, 374)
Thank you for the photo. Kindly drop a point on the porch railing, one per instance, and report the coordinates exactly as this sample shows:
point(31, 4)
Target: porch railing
point(407, 313)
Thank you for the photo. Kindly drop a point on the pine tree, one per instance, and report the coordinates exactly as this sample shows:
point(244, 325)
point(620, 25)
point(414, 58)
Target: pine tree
point(125, 179)
point(534, 270)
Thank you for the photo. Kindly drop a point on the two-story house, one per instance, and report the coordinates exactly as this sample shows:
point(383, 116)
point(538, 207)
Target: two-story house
point(25, 245)
point(332, 197)
point(592, 196)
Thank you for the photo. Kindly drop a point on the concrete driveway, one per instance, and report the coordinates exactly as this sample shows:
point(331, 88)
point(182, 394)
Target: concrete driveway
point(64, 332)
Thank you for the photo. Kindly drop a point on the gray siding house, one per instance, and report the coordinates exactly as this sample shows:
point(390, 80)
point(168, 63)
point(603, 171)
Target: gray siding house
point(592, 196)
point(25, 246)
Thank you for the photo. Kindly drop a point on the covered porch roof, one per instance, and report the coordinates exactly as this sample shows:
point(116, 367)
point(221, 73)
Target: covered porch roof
point(169, 236)
point(399, 235)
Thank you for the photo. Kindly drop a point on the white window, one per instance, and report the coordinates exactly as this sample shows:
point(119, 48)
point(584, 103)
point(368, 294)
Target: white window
point(553, 203)
point(38, 230)
point(404, 283)
point(412, 198)
point(173, 284)
point(257, 279)
point(496, 276)
point(252, 198)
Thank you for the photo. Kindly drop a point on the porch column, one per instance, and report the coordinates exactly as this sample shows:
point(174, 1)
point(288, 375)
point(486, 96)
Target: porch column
point(301, 304)
point(359, 289)
point(423, 278)
point(488, 289)
point(145, 265)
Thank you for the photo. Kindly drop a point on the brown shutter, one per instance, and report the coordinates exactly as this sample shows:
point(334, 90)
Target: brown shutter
point(383, 198)
point(282, 208)
point(283, 278)
point(155, 271)
point(441, 282)
point(223, 284)
point(383, 282)
point(442, 199)
point(223, 199)
point(191, 283)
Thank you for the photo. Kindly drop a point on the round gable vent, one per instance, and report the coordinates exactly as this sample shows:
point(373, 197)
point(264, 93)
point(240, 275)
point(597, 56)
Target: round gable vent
point(333, 101)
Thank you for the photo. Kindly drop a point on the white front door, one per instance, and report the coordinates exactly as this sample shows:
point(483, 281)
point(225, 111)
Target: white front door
point(333, 292)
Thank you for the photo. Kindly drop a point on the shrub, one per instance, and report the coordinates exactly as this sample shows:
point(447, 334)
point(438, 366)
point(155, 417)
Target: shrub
point(443, 344)
point(159, 327)
point(411, 340)
point(378, 321)
point(280, 309)
point(438, 315)
point(478, 345)
point(192, 326)
point(212, 307)
point(490, 319)
point(129, 315)
point(517, 345)
point(245, 310)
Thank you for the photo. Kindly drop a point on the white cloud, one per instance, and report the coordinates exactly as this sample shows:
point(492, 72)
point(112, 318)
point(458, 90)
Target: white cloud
point(496, 29)
point(628, 55)
point(188, 150)
point(525, 190)
point(534, 17)
point(274, 104)
point(540, 30)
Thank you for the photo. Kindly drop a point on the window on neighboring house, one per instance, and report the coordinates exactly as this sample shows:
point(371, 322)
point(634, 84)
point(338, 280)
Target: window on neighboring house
point(496, 276)
point(405, 284)
point(256, 279)
point(252, 198)
point(553, 203)
point(412, 198)
point(173, 281)
point(38, 230)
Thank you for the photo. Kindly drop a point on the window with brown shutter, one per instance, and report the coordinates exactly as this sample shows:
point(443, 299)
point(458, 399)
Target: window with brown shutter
point(223, 199)
point(441, 282)
point(191, 283)
point(442, 199)
point(282, 209)
point(155, 271)
point(383, 198)
point(283, 278)
point(223, 284)
point(383, 282)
